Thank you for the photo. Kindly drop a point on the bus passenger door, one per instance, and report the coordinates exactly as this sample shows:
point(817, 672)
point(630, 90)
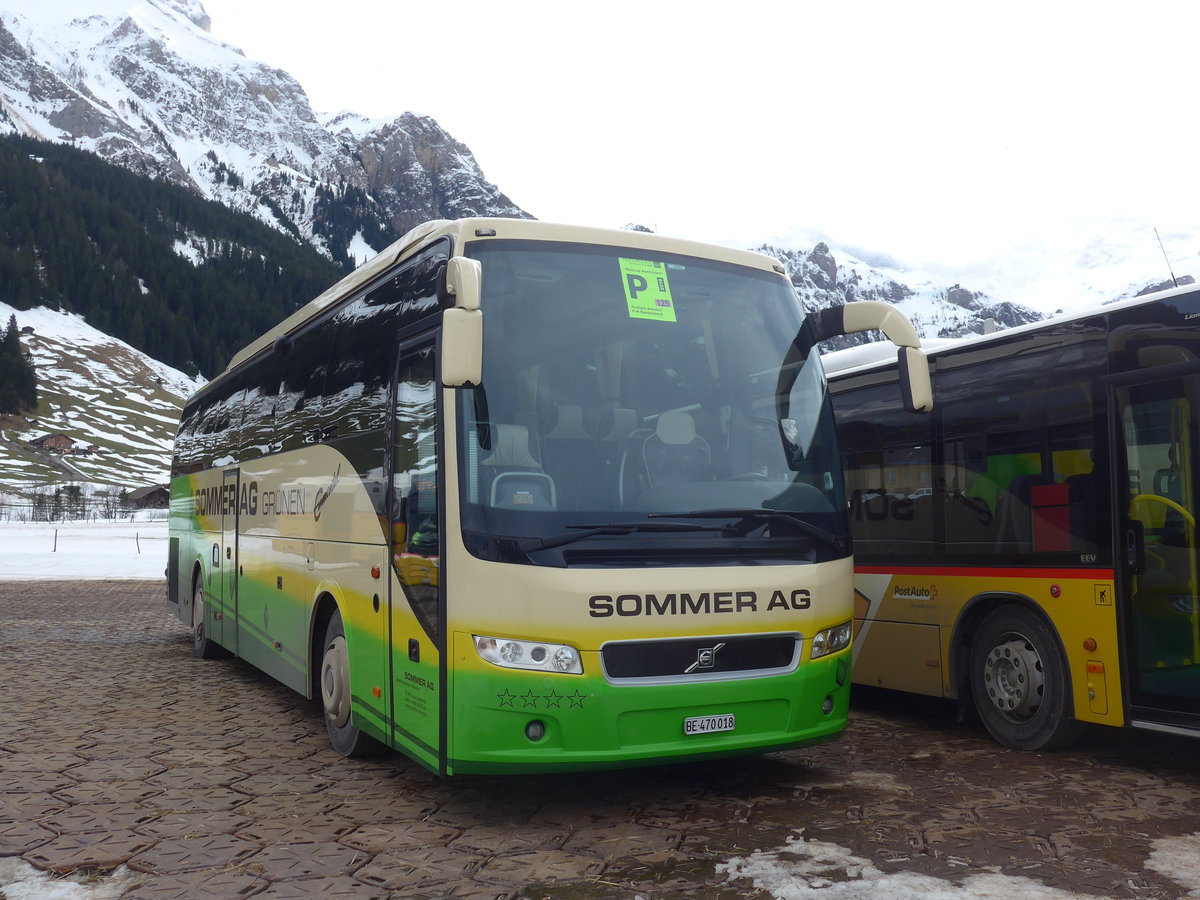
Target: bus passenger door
point(414, 512)
point(1157, 510)
point(225, 629)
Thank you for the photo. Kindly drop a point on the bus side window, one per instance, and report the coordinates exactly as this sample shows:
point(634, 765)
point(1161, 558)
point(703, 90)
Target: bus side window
point(1021, 459)
point(1070, 512)
point(889, 475)
point(259, 435)
point(416, 543)
point(891, 501)
point(298, 411)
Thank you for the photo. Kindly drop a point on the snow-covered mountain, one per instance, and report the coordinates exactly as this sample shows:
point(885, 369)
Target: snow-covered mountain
point(117, 407)
point(1090, 264)
point(143, 84)
point(1077, 267)
point(1080, 268)
point(823, 278)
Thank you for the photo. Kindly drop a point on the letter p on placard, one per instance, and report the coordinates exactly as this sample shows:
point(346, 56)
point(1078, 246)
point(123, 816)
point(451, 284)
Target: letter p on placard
point(647, 289)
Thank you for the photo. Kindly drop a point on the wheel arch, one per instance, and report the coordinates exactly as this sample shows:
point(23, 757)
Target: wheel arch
point(324, 606)
point(197, 577)
point(967, 625)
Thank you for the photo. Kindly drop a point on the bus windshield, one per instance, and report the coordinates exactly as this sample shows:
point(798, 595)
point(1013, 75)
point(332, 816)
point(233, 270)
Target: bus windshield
point(629, 405)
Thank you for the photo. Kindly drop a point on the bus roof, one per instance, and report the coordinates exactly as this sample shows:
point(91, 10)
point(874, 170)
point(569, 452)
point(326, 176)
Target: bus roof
point(880, 353)
point(461, 230)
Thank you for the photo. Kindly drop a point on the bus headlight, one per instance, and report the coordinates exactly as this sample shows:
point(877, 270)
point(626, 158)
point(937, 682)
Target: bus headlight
point(566, 659)
point(531, 655)
point(831, 640)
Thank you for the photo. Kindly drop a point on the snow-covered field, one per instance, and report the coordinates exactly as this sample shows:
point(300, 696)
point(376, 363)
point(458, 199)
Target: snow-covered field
point(116, 548)
point(119, 407)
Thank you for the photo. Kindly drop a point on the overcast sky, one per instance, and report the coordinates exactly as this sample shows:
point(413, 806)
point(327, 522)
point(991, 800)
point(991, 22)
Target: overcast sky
point(935, 132)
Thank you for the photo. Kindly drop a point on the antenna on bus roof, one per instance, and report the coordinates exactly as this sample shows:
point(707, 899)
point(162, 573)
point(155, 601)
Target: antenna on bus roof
point(1164, 251)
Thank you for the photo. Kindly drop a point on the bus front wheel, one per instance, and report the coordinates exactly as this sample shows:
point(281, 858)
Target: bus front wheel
point(336, 696)
point(1019, 682)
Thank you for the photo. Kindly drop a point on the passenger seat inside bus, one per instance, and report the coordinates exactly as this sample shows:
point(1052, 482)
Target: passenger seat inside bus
point(582, 452)
point(513, 476)
point(1167, 481)
point(1088, 512)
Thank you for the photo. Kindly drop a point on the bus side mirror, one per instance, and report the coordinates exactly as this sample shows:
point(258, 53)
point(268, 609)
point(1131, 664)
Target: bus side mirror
point(915, 387)
point(789, 432)
point(462, 323)
point(462, 348)
point(459, 283)
point(875, 315)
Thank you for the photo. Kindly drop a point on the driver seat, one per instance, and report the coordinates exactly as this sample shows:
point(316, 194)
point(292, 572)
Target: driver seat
point(516, 479)
point(673, 453)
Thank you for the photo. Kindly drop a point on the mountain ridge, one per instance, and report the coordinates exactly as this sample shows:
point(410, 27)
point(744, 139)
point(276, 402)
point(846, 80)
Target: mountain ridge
point(146, 86)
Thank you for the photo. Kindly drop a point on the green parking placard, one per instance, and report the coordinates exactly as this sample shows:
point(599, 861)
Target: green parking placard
point(647, 291)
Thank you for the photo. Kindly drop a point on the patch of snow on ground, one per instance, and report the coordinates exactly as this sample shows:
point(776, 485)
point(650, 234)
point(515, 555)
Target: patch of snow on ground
point(1178, 858)
point(360, 250)
point(190, 252)
point(21, 881)
point(816, 869)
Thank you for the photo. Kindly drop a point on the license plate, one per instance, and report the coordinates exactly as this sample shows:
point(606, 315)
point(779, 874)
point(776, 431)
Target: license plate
point(708, 724)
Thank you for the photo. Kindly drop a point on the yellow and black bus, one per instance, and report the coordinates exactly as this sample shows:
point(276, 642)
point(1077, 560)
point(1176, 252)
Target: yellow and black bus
point(1031, 547)
point(523, 497)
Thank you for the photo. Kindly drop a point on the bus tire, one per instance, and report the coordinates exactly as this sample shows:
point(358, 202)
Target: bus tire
point(336, 696)
point(203, 647)
point(1019, 682)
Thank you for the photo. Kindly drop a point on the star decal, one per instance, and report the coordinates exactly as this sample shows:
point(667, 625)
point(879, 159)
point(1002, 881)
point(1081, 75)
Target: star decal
point(529, 700)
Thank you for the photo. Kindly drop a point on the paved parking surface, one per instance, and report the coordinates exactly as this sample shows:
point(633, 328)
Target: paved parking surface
point(124, 759)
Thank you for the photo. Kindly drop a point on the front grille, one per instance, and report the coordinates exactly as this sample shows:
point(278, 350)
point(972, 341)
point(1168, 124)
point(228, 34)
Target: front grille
point(704, 657)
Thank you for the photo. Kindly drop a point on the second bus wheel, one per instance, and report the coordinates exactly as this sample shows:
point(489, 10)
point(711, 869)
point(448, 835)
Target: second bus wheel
point(203, 647)
point(336, 695)
point(1019, 682)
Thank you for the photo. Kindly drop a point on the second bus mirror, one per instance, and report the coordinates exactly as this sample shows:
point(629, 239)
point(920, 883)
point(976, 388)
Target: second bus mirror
point(462, 347)
point(915, 387)
point(789, 431)
point(460, 282)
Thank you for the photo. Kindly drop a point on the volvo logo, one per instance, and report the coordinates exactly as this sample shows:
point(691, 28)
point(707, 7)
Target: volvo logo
point(706, 658)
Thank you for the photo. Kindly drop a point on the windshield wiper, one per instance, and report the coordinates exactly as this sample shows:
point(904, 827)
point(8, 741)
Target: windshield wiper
point(755, 515)
point(590, 530)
